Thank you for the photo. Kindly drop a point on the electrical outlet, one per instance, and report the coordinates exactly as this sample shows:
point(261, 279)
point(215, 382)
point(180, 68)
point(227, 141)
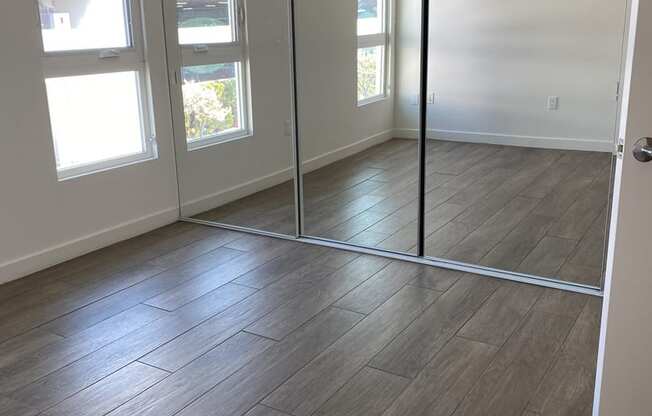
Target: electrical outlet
point(431, 98)
point(553, 103)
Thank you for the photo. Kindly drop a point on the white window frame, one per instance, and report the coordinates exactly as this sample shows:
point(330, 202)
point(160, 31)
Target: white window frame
point(212, 54)
point(104, 61)
point(382, 39)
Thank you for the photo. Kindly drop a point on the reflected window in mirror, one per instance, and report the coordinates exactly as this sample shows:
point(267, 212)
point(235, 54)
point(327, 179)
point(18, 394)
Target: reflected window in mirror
point(373, 44)
point(214, 72)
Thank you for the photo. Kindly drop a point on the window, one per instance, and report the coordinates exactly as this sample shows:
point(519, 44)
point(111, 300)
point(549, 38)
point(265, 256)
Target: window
point(373, 43)
point(94, 76)
point(213, 71)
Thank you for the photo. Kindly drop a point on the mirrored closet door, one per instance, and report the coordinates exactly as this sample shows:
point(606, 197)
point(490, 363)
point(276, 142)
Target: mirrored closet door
point(231, 92)
point(520, 134)
point(360, 179)
point(478, 136)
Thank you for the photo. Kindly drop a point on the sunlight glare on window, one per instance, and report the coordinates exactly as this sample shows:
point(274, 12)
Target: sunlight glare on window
point(370, 17)
point(205, 21)
point(84, 24)
point(95, 118)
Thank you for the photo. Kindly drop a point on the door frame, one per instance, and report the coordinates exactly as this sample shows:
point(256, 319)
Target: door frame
point(621, 376)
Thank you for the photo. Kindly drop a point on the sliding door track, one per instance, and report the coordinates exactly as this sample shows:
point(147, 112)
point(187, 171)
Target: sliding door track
point(413, 258)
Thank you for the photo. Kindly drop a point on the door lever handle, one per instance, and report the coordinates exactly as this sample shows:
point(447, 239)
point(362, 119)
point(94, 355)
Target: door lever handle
point(643, 150)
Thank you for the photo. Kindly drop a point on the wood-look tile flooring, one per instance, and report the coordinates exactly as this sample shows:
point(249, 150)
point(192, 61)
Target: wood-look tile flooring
point(191, 320)
point(536, 211)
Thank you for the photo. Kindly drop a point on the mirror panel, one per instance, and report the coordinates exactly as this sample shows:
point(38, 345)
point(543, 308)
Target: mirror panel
point(232, 109)
point(521, 135)
point(360, 178)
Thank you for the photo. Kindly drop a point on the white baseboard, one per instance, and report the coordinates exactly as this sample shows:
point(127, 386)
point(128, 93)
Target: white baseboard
point(32, 263)
point(561, 143)
point(346, 151)
point(234, 193)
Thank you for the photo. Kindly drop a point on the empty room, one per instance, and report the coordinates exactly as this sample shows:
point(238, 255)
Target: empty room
point(325, 207)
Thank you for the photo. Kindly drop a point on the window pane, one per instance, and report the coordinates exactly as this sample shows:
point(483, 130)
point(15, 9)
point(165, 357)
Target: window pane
point(205, 21)
point(370, 17)
point(84, 24)
point(211, 100)
point(370, 72)
point(95, 118)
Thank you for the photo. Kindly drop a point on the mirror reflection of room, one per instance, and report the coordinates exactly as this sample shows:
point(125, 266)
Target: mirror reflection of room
point(522, 106)
point(356, 171)
point(524, 120)
point(234, 147)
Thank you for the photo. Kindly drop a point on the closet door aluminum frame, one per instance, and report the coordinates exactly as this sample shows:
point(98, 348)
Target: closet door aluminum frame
point(420, 256)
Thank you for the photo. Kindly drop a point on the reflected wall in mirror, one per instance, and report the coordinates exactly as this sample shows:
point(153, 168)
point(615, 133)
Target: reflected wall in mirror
point(232, 103)
point(521, 134)
point(360, 179)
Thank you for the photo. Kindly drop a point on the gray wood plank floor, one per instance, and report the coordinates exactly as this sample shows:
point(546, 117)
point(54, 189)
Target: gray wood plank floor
point(192, 320)
point(535, 211)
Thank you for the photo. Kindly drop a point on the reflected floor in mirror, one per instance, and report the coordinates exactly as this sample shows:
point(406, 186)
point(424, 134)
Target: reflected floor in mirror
point(535, 211)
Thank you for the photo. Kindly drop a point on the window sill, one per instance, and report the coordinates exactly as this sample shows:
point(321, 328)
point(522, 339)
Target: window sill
point(216, 140)
point(81, 171)
point(372, 100)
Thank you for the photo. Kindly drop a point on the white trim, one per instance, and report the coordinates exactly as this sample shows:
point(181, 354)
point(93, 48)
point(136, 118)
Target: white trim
point(236, 192)
point(370, 41)
point(561, 143)
point(345, 151)
point(436, 262)
point(629, 51)
point(34, 262)
point(371, 100)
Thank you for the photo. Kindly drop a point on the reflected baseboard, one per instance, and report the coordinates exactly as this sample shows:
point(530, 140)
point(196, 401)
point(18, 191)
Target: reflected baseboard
point(327, 158)
point(558, 143)
point(222, 197)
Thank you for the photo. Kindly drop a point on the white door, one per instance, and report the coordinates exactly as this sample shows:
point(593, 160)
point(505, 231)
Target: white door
point(624, 382)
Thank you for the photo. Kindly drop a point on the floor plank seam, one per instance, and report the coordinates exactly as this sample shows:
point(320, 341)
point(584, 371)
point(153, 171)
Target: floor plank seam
point(557, 355)
point(497, 354)
point(369, 365)
point(262, 336)
point(153, 366)
point(305, 324)
point(111, 294)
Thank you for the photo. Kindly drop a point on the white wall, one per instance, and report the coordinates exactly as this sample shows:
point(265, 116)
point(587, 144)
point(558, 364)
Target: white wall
point(331, 124)
point(43, 221)
point(494, 63)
